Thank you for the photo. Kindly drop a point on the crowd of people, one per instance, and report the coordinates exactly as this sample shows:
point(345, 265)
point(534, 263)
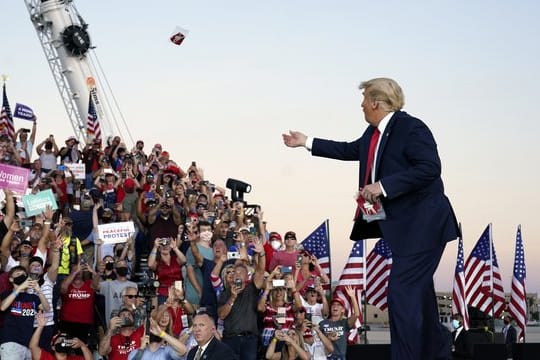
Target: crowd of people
point(200, 277)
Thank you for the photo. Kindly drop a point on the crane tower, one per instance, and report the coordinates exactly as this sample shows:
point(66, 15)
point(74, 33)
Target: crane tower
point(65, 40)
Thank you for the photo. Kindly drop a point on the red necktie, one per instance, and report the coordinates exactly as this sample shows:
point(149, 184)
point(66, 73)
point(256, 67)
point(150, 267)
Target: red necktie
point(369, 164)
point(371, 154)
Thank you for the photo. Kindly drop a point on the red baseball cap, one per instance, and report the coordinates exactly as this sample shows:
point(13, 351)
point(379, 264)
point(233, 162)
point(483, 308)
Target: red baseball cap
point(338, 300)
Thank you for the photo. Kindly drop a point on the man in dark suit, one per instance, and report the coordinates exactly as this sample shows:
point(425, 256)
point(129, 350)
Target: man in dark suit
point(400, 167)
point(510, 335)
point(209, 348)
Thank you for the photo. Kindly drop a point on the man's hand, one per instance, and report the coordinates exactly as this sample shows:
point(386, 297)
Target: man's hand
point(371, 192)
point(294, 139)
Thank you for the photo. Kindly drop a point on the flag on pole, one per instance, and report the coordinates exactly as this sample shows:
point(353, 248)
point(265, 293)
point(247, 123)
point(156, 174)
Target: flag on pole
point(378, 266)
point(459, 305)
point(92, 124)
point(484, 288)
point(352, 275)
point(6, 119)
point(22, 111)
point(318, 244)
point(518, 298)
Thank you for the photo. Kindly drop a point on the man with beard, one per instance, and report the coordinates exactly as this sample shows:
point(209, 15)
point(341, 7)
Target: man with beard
point(121, 337)
point(163, 220)
point(72, 249)
point(158, 346)
point(112, 290)
point(19, 308)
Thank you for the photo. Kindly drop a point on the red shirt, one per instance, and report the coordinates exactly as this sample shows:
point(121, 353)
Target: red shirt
point(122, 345)
point(45, 355)
point(168, 274)
point(270, 313)
point(176, 319)
point(78, 304)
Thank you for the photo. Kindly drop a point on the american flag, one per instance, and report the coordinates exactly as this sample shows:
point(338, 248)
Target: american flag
point(6, 119)
point(518, 298)
point(352, 275)
point(378, 266)
point(92, 125)
point(459, 305)
point(318, 244)
point(484, 287)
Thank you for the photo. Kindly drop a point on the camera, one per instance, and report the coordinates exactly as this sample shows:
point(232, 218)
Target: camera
point(164, 241)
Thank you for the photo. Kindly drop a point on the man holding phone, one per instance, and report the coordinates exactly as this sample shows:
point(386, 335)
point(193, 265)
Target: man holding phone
point(236, 307)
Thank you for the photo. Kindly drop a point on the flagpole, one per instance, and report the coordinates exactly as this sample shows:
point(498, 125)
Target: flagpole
point(491, 274)
point(364, 265)
point(329, 254)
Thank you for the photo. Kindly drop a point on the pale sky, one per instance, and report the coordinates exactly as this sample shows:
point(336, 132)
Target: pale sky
point(250, 70)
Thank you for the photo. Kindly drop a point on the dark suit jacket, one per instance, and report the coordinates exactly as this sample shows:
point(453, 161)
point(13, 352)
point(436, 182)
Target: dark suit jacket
point(214, 351)
point(419, 216)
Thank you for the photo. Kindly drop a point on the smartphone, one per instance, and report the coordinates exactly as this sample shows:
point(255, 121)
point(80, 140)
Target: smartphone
point(278, 283)
point(308, 316)
point(178, 284)
point(233, 255)
point(286, 269)
point(238, 283)
point(149, 195)
point(61, 167)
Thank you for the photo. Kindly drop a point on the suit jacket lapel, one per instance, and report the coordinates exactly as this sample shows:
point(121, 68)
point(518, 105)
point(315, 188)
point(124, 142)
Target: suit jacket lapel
point(383, 142)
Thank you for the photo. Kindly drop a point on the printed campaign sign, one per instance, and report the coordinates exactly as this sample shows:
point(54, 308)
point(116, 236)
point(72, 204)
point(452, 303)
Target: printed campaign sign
point(116, 232)
point(34, 204)
point(77, 170)
point(14, 178)
point(23, 112)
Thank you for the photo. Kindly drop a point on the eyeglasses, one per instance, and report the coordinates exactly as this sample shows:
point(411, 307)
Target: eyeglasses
point(131, 296)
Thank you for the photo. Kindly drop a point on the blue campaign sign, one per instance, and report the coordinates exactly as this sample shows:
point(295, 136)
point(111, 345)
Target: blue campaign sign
point(35, 204)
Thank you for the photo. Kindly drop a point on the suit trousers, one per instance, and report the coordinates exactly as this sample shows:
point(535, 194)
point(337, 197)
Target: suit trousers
point(415, 329)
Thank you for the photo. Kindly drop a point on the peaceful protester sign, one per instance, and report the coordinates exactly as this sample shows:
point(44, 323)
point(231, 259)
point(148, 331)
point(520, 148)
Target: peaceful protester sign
point(14, 178)
point(35, 204)
point(118, 232)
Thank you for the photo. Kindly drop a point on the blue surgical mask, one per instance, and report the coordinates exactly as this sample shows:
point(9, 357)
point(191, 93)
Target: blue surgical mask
point(455, 324)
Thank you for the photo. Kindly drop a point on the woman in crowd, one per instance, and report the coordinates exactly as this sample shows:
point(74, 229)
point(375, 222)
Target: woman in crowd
point(292, 346)
point(166, 261)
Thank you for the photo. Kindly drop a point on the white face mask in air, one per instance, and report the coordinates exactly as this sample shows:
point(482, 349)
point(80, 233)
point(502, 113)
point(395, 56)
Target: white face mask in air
point(455, 324)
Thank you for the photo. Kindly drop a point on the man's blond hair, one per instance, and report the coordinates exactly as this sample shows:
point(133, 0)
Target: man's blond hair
point(385, 90)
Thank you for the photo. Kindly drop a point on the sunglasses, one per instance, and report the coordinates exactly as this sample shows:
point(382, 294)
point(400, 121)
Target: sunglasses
point(131, 296)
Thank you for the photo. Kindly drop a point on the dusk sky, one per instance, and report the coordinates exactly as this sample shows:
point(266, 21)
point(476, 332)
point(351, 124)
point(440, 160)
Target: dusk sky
point(251, 70)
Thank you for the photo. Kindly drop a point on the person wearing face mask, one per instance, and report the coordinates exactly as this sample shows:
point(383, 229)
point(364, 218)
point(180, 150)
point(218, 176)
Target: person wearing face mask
point(193, 274)
point(112, 289)
point(78, 296)
point(61, 346)
point(166, 261)
point(19, 308)
point(274, 243)
point(461, 348)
